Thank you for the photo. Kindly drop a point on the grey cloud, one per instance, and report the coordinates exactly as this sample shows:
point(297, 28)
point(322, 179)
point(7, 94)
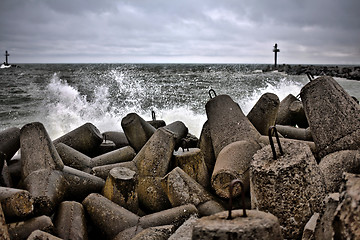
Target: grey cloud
point(307, 31)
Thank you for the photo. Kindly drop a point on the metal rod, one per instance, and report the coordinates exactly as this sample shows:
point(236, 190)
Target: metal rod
point(272, 143)
point(231, 186)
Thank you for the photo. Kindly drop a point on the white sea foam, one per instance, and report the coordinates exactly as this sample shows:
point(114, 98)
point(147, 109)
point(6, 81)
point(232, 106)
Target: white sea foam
point(282, 89)
point(67, 108)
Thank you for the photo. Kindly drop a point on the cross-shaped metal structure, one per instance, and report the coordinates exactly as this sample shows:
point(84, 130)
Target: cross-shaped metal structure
point(6, 57)
point(276, 50)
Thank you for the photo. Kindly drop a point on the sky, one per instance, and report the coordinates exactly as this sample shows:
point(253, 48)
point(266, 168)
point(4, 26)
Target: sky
point(186, 31)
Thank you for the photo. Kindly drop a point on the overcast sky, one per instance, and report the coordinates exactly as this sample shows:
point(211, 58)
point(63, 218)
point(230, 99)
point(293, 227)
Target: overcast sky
point(185, 31)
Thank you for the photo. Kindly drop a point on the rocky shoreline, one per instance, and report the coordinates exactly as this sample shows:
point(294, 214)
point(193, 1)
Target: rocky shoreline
point(291, 169)
point(348, 72)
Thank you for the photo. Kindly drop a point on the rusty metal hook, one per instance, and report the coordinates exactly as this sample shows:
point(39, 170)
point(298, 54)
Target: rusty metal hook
point(272, 143)
point(231, 186)
point(212, 90)
point(153, 115)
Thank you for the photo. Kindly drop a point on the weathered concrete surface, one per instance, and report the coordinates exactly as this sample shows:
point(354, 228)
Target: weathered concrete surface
point(137, 130)
point(152, 197)
point(205, 144)
point(257, 225)
point(193, 163)
point(123, 154)
point(16, 203)
point(10, 142)
point(47, 188)
point(21, 230)
point(346, 223)
point(37, 150)
point(121, 188)
point(184, 232)
point(228, 123)
point(41, 235)
point(284, 116)
point(294, 132)
point(324, 229)
point(80, 184)
point(309, 229)
point(155, 233)
point(154, 158)
point(85, 139)
point(73, 158)
point(172, 216)
point(291, 187)
point(264, 112)
point(108, 217)
point(117, 137)
point(182, 189)
point(233, 162)
point(335, 164)
point(70, 222)
point(333, 115)
point(4, 233)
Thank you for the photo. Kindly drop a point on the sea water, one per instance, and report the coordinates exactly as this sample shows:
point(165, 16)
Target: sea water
point(65, 96)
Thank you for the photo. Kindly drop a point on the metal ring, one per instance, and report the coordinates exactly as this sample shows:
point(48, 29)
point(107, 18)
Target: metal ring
point(212, 90)
point(231, 186)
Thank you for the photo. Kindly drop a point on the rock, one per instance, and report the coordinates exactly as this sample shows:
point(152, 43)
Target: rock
point(291, 187)
point(346, 223)
point(264, 112)
point(334, 117)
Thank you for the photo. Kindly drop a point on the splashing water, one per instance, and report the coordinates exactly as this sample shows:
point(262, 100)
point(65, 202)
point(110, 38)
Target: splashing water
point(104, 94)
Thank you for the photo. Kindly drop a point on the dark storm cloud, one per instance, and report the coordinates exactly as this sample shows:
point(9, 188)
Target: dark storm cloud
point(307, 31)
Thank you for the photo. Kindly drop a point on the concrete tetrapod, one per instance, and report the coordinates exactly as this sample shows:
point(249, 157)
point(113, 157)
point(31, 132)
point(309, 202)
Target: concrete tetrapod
point(152, 197)
point(41, 235)
point(21, 230)
point(295, 133)
point(121, 188)
point(233, 162)
point(4, 233)
point(154, 158)
point(228, 123)
point(70, 222)
point(335, 164)
point(285, 116)
point(182, 189)
point(245, 224)
point(333, 115)
point(346, 223)
point(101, 210)
point(117, 137)
point(10, 142)
point(85, 139)
point(80, 184)
point(205, 144)
point(16, 203)
point(137, 130)
point(73, 158)
point(123, 154)
point(47, 187)
point(291, 186)
point(264, 112)
point(37, 150)
point(193, 163)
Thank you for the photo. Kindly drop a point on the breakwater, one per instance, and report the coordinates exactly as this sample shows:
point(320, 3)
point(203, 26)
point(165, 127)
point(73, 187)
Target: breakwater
point(152, 177)
point(348, 72)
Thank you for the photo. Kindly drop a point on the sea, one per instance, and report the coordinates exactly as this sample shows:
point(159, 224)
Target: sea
point(66, 96)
